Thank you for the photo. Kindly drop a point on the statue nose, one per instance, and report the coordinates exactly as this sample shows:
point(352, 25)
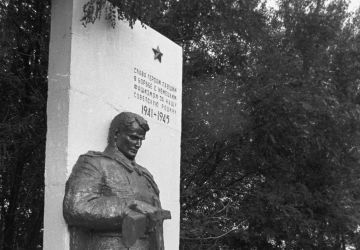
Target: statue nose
point(138, 144)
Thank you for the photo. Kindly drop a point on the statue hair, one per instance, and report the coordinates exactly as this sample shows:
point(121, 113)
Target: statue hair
point(123, 122)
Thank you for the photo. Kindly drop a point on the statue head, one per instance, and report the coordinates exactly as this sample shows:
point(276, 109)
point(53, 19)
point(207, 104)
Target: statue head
point(126, 133)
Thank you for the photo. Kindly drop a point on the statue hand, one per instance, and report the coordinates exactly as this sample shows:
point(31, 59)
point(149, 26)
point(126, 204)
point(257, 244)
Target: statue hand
point(151, 212)
point(142, 207)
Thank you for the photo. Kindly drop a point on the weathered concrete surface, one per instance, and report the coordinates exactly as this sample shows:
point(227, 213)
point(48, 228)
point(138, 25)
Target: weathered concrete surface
point(91, 79)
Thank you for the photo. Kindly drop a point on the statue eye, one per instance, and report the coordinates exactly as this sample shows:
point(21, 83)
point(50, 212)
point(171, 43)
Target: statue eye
point(136, 137)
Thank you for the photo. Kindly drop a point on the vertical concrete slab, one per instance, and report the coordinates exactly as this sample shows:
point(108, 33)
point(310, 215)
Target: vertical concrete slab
point(55, 231)
point(95, 72)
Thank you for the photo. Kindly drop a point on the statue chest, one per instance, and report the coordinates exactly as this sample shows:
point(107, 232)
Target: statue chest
point(119, 181)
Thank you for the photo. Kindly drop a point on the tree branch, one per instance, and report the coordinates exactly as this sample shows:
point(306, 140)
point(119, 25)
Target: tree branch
point(213, 237)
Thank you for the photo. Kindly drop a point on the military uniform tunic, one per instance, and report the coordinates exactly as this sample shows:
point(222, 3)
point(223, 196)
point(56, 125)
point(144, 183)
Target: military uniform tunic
point(98, 195)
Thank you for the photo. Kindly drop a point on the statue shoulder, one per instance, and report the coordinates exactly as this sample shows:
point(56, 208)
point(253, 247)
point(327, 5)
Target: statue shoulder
point(94, 154)
point(103, 158)
point(91, 157)
point(89, 165)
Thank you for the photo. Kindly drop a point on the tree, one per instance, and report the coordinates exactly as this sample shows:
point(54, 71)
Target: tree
point(289, 172)
point(270, 140)
point(23, 71)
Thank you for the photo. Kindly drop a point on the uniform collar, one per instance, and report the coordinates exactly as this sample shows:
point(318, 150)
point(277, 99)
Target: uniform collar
point(116, 155)
point(130, 165)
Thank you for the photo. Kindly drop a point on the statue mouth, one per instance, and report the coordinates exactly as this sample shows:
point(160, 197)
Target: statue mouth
point(133, 151)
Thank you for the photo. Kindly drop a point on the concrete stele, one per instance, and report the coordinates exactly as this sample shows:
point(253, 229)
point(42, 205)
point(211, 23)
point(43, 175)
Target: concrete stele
point(95, 72)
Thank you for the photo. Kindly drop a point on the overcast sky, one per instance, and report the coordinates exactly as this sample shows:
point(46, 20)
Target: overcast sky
point(354, 4)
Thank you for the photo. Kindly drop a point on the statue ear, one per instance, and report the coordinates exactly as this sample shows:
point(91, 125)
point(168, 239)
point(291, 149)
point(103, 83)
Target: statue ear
point(115, 135)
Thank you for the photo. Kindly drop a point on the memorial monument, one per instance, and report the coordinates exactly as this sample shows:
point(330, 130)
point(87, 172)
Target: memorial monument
point(96, 73)
point(112, 199)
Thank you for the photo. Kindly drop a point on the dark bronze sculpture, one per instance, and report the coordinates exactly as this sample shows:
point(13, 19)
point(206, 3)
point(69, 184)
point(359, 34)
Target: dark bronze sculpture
point(111, 202)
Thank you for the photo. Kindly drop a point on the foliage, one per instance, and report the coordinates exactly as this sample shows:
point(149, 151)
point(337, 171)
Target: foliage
point(289, 172)
point(270, 140)
point(121, 10)
point(272, 162)
point(23, 55)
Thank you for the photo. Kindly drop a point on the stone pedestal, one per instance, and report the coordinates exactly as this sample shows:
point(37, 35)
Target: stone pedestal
point(96, 72)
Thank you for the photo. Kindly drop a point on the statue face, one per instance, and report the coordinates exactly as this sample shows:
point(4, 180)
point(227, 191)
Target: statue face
point(130, 140)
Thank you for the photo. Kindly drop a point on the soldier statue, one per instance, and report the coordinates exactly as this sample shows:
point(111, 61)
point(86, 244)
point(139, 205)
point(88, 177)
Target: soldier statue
point(111, 202)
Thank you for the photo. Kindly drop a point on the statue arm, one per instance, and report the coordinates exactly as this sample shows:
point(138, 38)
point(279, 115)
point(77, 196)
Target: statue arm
point(84, 204)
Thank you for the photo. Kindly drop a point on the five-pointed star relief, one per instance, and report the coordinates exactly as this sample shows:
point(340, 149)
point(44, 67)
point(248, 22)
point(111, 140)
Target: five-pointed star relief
point(157, 54)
